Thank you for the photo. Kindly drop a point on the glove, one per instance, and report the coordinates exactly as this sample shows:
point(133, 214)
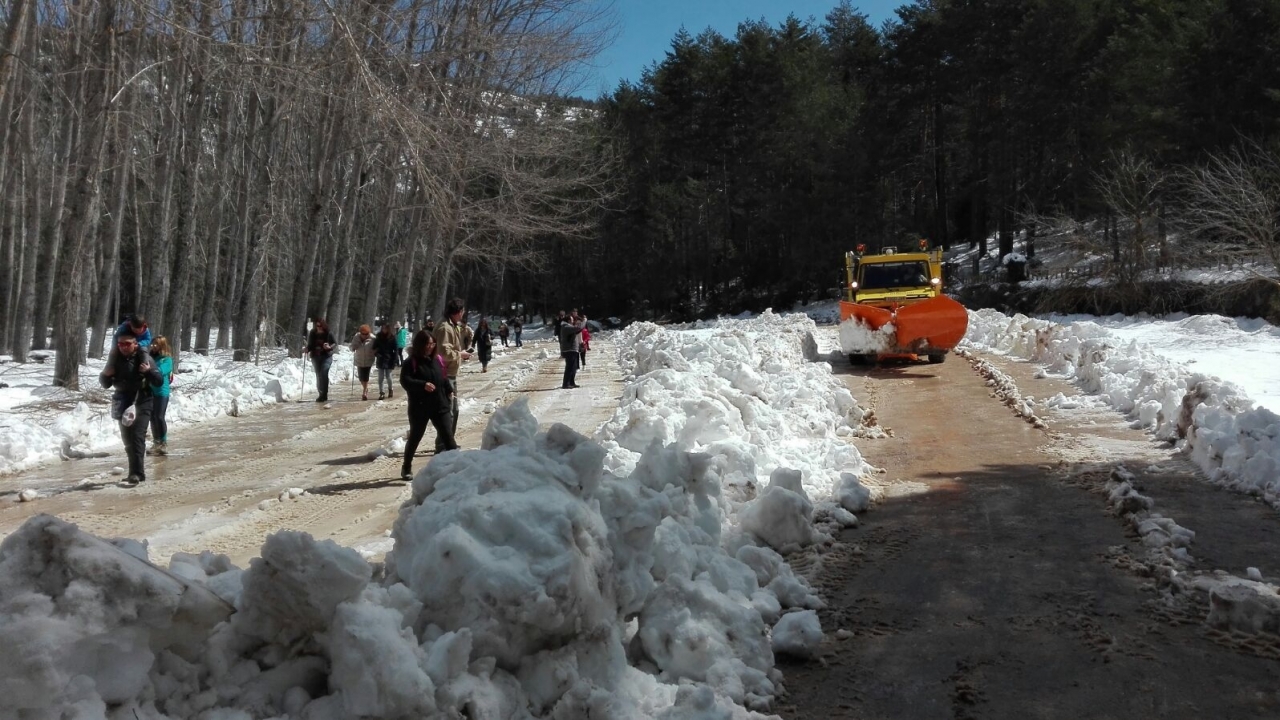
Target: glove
point(129, 416)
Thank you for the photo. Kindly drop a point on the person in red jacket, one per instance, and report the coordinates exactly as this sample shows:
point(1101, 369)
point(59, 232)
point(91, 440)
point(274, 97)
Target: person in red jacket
point(586, 345)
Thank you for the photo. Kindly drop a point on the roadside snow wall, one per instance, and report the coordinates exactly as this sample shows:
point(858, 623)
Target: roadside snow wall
point(1236, 444)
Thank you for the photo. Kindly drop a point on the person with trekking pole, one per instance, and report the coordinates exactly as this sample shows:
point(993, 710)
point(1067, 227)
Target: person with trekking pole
point(320, 345)
point(453, 337)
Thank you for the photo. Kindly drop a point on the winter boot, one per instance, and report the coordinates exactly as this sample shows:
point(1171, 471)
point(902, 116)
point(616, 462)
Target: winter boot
point(390, 393)
point(161, 448)
point(406, 471)
point(382, 395)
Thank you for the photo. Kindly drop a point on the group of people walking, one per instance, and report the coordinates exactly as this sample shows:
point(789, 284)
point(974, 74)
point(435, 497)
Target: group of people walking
point(140, 372)
point(429, 375)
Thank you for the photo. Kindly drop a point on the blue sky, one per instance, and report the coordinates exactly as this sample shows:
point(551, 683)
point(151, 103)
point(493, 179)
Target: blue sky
point(646, 28)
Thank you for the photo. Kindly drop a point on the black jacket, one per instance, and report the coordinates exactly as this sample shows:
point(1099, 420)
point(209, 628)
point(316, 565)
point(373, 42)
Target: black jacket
point(132, 383)
point(316, 342)
point(386, 352)
point(414, 376)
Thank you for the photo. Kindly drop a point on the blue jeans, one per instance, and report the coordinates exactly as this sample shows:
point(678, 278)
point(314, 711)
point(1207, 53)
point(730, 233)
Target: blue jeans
point(321, 364)
point(159, 426)
point(518, 343)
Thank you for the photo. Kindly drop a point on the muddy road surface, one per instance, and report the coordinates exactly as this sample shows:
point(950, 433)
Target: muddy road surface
point(993, 581)
point(226, 484)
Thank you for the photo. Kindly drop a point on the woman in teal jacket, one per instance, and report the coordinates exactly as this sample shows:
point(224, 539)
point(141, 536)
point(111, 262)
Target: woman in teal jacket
point(160, 396)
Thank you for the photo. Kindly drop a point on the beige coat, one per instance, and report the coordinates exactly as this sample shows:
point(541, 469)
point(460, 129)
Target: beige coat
point(451, 341)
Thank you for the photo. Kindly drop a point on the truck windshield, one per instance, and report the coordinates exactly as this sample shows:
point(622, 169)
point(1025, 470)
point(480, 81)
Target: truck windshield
point(882, 276)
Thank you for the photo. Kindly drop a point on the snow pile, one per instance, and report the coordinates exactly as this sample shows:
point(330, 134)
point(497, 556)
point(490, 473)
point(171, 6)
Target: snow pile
point(1003, 387)
point(1236, 444)
point(748, 394)
point(206, 388)
point(857, 338)
point(544, 575)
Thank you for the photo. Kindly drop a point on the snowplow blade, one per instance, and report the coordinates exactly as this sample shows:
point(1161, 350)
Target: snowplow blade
point(928, 327)
point(936, 324)
point(873, 317)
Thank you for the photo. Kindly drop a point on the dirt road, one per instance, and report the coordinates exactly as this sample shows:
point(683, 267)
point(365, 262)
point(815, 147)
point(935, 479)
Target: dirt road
point(226, 487)
point(992, 582)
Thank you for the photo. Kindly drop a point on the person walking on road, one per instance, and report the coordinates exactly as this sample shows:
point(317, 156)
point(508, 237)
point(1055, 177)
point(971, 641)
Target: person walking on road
point(517, 327)
point(586, 344)
point(427, 386)
point(504, 332)
point(484, 344)
point(133, 374)
point(387, 355)
point(570, 342)
point(402, 341)
point(453, 337)
point(320, 345)
point(163, 357)
point(362, 346)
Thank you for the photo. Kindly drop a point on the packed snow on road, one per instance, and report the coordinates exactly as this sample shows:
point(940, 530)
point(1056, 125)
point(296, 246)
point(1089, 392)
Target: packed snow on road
point(636, 574)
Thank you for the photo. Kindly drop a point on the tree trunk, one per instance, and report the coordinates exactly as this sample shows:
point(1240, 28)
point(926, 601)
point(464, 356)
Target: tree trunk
point(71, 320)
point(32, 169)
point(53, 231)
point(214, 246)
point(378, 260)
point(179, 291)
point(311, 230)
point(110, 274)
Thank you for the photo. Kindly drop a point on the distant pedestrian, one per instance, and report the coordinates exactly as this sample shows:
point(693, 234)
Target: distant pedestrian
point(517, 327)
point(386, 357)
point(453, 337)
point(430, 327)
point(484, 344)
point(570, 342)
point(134, 376)
point(586, 345)
point(430, 394)
point(362, 346)
point(557, 324)
point(320, 345)
point(402, 341)
point(163, 357)
point(503, 333)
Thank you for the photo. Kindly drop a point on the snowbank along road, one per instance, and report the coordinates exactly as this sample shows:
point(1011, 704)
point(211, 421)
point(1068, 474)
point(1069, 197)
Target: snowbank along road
point(997, 577)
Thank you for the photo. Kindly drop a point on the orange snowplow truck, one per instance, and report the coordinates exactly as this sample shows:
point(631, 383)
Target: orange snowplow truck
point(896, 300)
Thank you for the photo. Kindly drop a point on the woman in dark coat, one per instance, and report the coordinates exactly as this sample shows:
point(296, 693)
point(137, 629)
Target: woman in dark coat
point(320, 344)
point(386, 356)
point(424, 380)
point(484, 344)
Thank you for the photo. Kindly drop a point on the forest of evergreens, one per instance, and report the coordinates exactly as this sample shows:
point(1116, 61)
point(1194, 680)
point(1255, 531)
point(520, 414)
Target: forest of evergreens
point(748, 164)
point(231, 168)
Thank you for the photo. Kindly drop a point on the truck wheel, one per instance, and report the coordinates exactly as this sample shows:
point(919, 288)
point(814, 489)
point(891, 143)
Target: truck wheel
point(937, 358)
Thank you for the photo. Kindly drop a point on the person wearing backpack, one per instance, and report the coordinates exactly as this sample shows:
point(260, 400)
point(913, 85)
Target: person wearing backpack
point(133, 374)
point(426, 382)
